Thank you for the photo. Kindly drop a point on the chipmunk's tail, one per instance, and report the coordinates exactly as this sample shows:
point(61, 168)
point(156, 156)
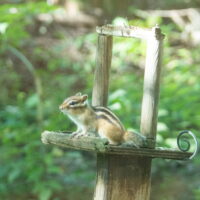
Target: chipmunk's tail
point(137, 139)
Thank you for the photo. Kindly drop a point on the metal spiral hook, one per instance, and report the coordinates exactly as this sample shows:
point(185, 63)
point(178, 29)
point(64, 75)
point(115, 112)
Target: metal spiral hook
point(182, 138)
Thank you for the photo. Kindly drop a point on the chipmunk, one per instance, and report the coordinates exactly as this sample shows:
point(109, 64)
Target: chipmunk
point(95, 119)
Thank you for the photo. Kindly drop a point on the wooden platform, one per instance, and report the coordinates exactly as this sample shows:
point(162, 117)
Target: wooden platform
point(98, 145)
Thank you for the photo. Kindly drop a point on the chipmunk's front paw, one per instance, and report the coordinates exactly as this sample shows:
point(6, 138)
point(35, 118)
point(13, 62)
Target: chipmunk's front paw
point(74, 134)
point(79, 135)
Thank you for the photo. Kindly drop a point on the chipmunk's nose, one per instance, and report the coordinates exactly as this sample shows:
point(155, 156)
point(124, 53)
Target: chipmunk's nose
point(61, 107)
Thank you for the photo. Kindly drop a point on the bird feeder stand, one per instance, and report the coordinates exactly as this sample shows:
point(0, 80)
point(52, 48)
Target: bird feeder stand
point(124, 172)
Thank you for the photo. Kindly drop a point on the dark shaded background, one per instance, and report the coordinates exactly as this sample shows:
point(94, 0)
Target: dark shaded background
point(47, 52)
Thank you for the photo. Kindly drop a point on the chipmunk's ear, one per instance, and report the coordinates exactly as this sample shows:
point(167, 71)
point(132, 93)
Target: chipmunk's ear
point(84, 97)
point(78, 94)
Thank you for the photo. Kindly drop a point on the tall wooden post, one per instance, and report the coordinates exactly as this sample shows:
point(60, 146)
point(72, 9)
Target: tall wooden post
point(103, 63)
point(99, 98)
point(150, 100)
point(118, 177)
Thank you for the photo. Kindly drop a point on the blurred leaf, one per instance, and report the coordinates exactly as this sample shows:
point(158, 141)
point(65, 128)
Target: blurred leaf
point(45, 194)
point(14, 174)
point(3, 27)
point(32, 101)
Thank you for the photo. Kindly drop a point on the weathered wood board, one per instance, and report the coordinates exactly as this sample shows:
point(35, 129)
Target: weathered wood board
point(98, 145)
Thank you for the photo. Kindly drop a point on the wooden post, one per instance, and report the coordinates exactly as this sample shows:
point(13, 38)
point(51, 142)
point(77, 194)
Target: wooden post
point(122, 177)
point(101, 78)
point(99, 98)
point(148, 125)
point(118, 177)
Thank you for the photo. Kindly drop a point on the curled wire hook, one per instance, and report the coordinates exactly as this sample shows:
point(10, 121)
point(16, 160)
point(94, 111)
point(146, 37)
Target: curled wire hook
point(180, 139)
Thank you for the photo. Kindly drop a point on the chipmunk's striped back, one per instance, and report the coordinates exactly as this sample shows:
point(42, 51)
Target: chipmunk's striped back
point(105, 113)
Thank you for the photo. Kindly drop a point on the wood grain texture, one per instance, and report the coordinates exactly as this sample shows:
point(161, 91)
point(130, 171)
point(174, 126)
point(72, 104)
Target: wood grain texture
point(98, 145)
point(148, 125)
point(125, 31)
point(122, 178)
point(100, 98)
point(102, 178)
point(101, 78)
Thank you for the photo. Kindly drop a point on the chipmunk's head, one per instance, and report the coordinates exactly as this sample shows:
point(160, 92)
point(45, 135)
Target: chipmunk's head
point(74, 103)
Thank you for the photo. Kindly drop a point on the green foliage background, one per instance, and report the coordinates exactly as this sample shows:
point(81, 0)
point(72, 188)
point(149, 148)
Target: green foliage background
point(41, 64)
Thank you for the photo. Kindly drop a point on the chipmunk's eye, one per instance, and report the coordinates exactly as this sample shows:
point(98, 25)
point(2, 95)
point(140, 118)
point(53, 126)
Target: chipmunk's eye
point(73, 103)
